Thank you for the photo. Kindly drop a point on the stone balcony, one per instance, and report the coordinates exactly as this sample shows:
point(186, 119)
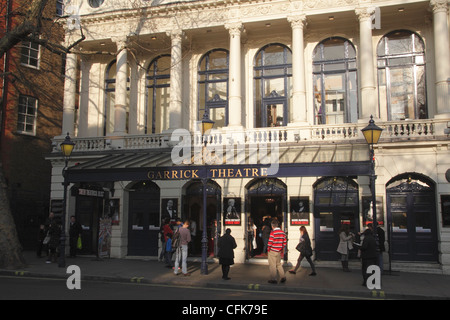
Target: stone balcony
point(414, 130)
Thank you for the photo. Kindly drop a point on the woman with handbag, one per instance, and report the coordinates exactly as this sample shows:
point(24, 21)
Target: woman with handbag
point(305, 249)
point(345, 245)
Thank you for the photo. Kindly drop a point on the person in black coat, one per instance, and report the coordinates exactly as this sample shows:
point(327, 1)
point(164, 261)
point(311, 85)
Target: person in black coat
point(368, 253)
point(305, 249)
point(74, 233)
point(226, 246)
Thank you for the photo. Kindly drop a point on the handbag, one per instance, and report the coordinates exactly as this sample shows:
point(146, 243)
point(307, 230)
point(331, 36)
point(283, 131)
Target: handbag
point(300, 247)
point(46, 239)
point(79, 245)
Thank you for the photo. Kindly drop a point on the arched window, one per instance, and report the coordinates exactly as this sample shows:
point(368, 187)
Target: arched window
point(335, 82)
point(158, 95)
point(213, 86)
point(110, 98)
point(272, 78)
point(401, 76)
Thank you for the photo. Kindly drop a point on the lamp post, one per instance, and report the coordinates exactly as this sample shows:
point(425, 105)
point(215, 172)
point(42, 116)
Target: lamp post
point(206, 125)
point(372, 134)
point(66, 147)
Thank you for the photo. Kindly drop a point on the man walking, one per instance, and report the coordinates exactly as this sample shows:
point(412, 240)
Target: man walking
point(185, 236)
point(276, 245)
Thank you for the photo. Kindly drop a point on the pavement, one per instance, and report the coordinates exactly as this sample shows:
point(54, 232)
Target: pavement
point(330, 281)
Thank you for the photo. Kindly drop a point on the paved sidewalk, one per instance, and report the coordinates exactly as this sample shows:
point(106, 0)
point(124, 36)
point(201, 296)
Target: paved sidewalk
point(329, 281)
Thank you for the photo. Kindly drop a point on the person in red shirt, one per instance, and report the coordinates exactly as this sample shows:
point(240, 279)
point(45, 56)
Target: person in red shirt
point(275, 246)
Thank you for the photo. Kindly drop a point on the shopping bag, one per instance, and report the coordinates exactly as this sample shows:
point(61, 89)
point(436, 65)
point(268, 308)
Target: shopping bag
point(79, 245)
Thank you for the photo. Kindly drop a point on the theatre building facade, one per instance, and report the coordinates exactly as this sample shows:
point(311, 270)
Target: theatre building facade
point(289, 86)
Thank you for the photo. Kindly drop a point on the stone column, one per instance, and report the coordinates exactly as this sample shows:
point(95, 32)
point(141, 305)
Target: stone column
point(235, 93)
point(83, 111)
point(368, 95)
point(70, 87)
point(298, 106)
point(441, 57)
point(120, 107)
point(175, 104)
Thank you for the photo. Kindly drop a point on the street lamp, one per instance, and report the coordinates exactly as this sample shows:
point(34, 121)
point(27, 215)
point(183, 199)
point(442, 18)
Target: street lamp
point(66, 147)
point(372, 134)
point(206, 125)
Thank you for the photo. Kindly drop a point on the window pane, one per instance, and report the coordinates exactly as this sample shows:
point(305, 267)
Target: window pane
point(218, 60)
point(333, 49)
point(26, 118)
point(421, 92)
point(326, 222)
point(399, 222)
point(402, 94)
point(218, 116)
point(217, 90)
point(399, 42)
point(163, 65)
point(274, 55)
point(423, 221)
point(274, 87)
point(275, 117)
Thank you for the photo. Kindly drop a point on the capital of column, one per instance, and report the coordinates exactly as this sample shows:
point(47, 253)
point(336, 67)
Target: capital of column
point(175, 34)
point(439, 5)
point(121, 42)
point(234, 28)
point(297, 21)
point(364, 13)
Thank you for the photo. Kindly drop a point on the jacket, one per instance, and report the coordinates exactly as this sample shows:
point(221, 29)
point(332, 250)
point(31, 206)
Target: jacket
point(226, 245)
point(368, 246)
point(345, 243)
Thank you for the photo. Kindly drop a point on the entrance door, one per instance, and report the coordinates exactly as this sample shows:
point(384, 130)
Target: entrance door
point(143, 219)
point(266, 198)
point(335, 206)
point(412, 216)
point(88, 211)
point(262, 210)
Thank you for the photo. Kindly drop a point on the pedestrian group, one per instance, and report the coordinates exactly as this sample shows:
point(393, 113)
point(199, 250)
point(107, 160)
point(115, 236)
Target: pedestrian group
point(176, 239)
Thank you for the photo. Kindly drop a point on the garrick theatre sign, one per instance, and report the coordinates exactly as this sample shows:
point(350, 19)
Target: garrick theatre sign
point(294, 161)
point(174, 174)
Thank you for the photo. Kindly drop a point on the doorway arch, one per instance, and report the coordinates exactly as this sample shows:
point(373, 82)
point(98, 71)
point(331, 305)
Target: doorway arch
point(335, 204)
point(411, 208)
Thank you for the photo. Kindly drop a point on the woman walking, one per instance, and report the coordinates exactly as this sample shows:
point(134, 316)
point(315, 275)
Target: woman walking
point(305, 249)
point(226, 246)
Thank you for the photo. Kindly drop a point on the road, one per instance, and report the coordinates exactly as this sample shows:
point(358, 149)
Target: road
point(30, 288)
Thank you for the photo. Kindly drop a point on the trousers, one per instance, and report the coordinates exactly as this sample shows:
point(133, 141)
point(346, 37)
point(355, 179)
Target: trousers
point(275, 265)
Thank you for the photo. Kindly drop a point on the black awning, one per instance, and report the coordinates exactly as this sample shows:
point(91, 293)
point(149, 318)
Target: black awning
point(306, 161)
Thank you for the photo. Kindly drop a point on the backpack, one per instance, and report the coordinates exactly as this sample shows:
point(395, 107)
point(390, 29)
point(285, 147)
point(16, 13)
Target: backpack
point(176, 240)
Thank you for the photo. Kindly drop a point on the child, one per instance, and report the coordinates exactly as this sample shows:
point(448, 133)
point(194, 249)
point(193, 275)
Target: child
point(168, 253)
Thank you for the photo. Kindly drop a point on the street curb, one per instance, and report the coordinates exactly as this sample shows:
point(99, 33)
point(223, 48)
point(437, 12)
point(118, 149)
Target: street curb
point(320, 292)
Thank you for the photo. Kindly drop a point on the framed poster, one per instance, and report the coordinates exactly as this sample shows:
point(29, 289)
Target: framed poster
point(299, 211)
point(368, 211)
point(232, 211)
point(445, 206)
point(169, 209)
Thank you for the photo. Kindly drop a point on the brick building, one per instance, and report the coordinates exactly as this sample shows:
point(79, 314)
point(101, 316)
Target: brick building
point(31, 109)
